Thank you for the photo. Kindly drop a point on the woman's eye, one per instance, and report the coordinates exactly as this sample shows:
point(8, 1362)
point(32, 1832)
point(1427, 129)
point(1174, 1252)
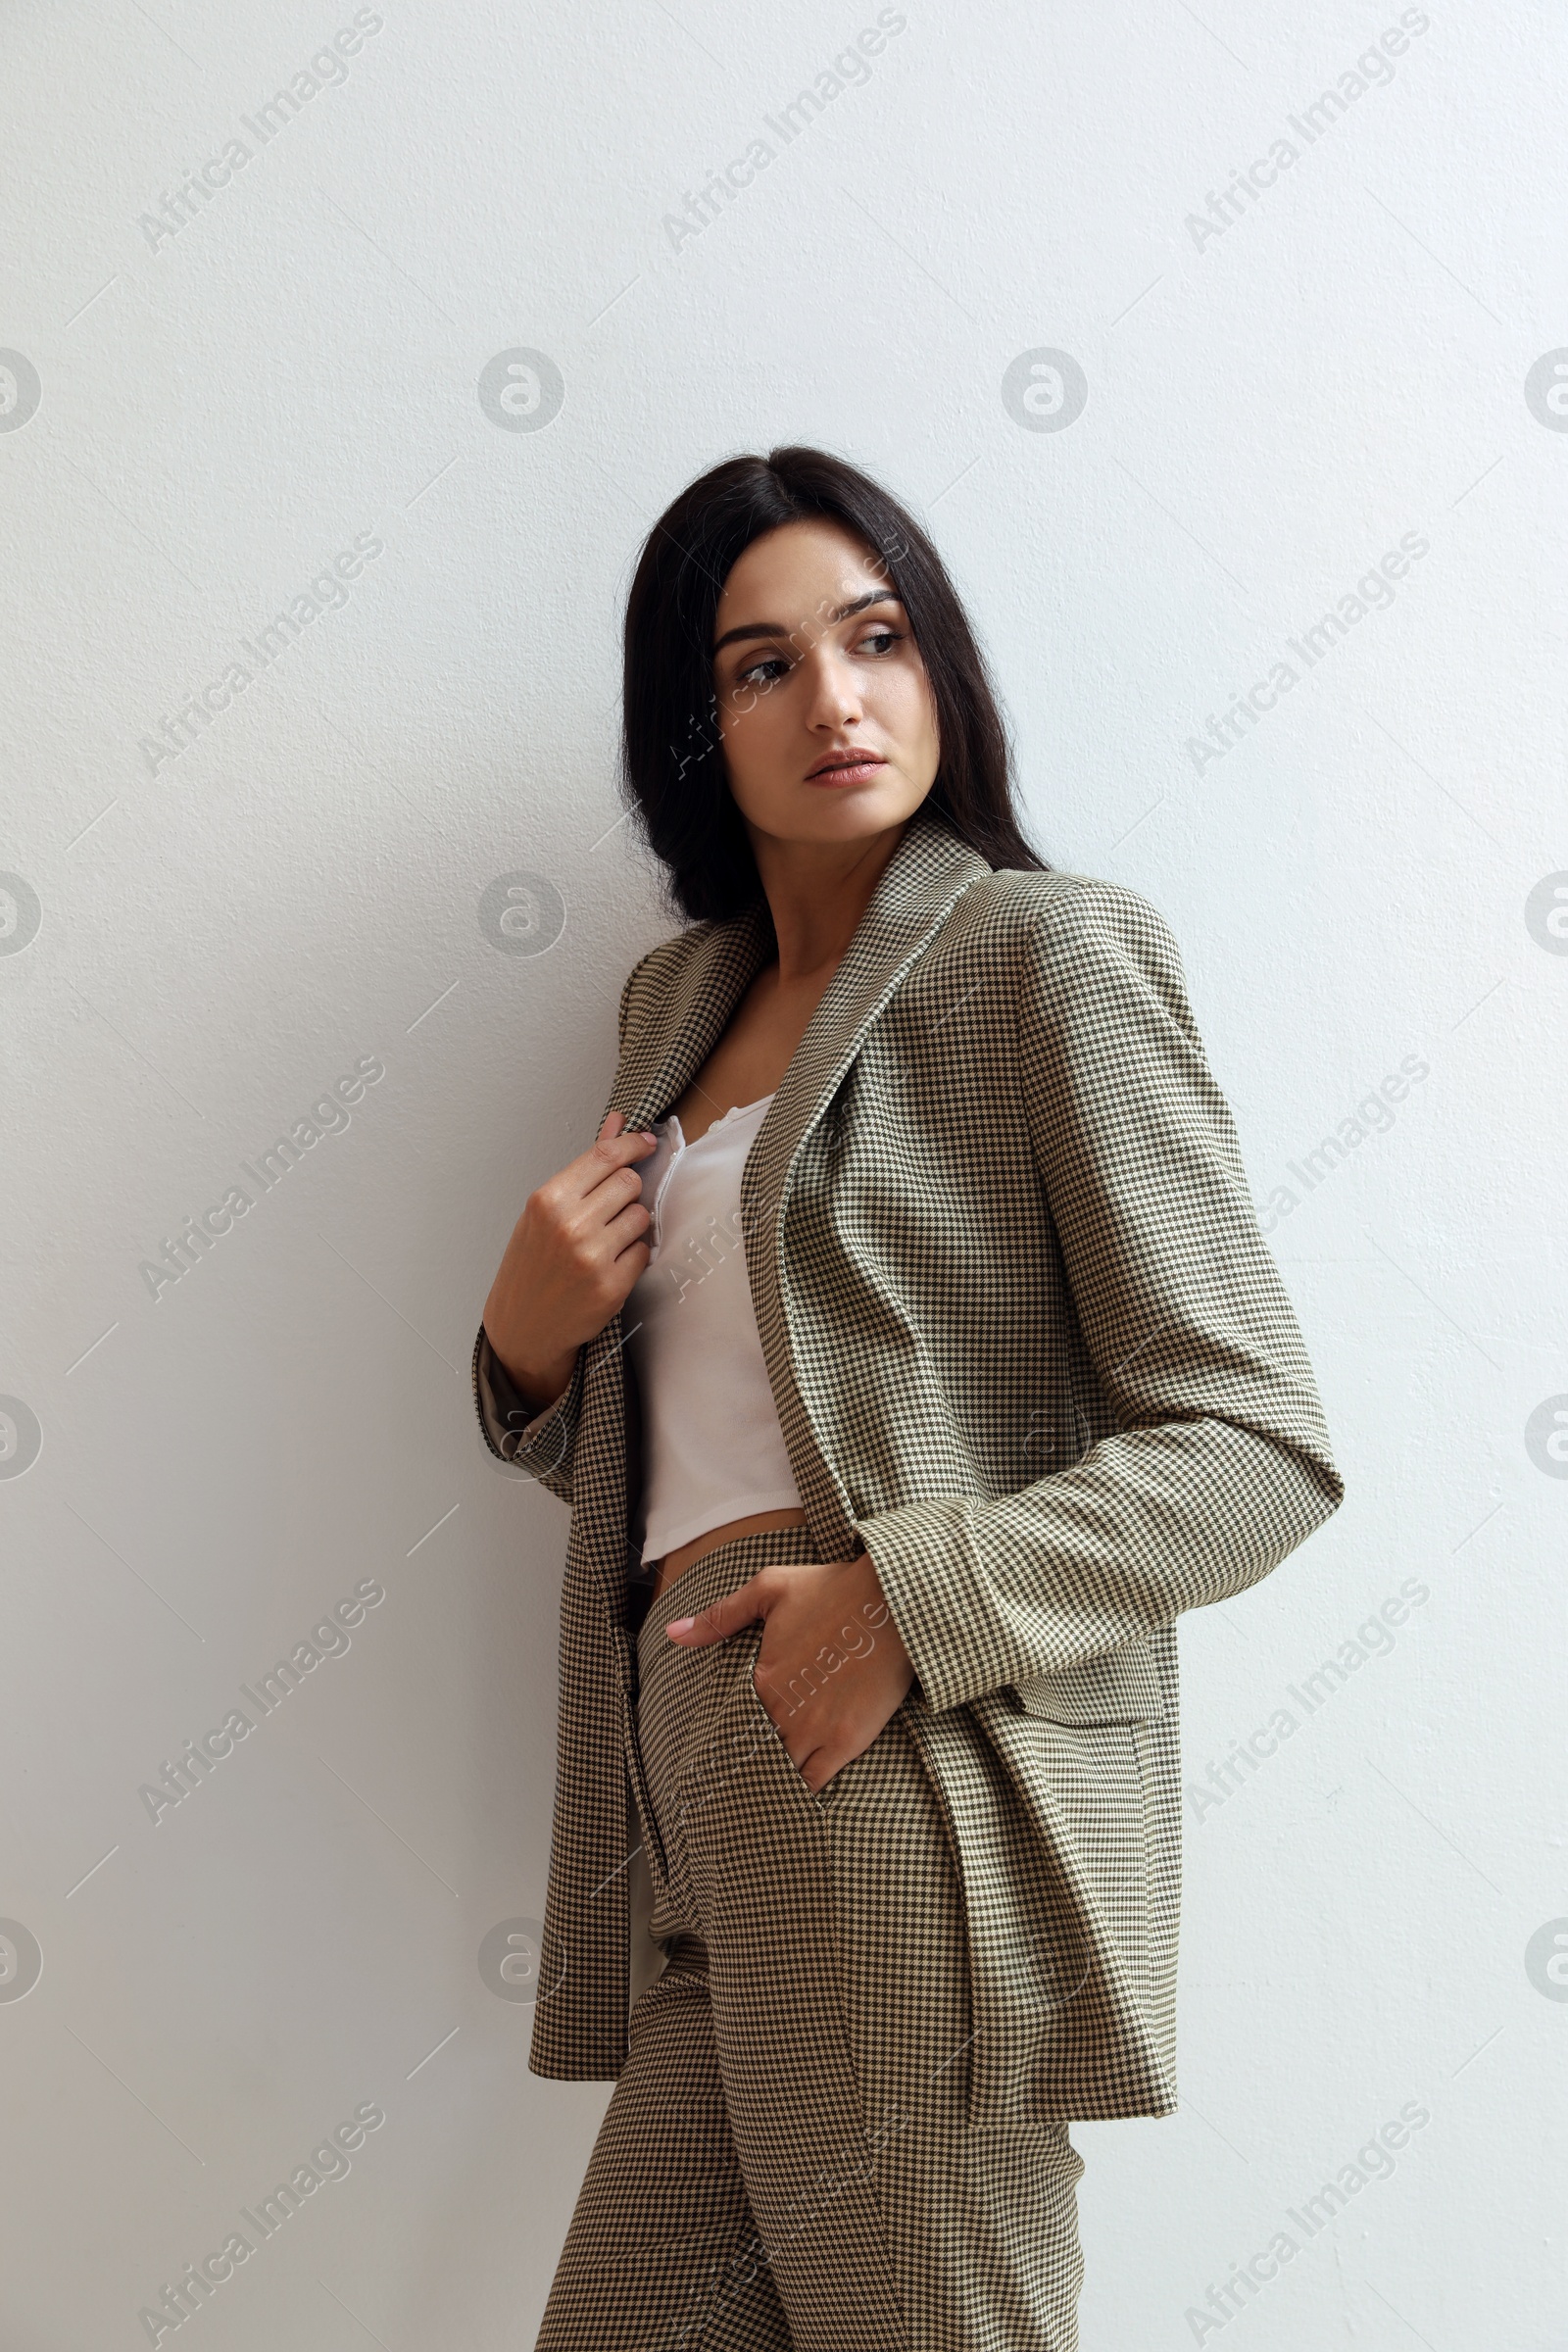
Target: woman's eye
point(761, 673)
point(878, 642)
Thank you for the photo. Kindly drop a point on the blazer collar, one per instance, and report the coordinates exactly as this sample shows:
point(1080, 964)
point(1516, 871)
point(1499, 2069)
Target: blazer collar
point(922, 880)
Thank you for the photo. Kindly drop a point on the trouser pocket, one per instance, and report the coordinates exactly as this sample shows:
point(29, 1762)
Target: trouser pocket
point(769, 1740)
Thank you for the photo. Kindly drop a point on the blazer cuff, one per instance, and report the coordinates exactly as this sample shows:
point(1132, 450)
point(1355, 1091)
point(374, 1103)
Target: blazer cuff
point(515, 1432)
point(926, 1549)
point(964, 1631)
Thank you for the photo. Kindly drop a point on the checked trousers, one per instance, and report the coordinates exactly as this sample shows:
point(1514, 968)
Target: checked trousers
point(785, 2163)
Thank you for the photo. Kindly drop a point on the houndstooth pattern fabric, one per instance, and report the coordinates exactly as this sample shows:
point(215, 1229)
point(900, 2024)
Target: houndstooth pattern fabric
point(786, 2159)
point(1029, 1348)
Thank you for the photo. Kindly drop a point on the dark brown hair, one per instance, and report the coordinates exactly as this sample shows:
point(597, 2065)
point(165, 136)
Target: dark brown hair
point(672, 760)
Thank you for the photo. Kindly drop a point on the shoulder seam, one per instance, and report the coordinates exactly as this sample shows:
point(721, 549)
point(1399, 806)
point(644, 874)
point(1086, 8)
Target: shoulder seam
point(1036, 895)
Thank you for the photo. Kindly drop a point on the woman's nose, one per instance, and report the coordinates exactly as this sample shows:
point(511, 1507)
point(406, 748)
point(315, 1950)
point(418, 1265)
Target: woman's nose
point(835, 692)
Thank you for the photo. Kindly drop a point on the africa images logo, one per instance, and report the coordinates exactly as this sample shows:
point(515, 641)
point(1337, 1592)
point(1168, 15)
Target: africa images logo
point(521, 390)
point(194, 1237)
point(1372, 69)
point(19, 390)
point(1044, 390)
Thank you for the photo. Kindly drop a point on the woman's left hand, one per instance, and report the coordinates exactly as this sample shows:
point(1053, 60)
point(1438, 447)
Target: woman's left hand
point(832, 1669)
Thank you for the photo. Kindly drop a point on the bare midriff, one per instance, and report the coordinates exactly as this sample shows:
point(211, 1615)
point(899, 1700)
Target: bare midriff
point(760, 1523)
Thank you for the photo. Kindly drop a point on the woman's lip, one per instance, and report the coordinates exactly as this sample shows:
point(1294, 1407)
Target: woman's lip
point(849, 771)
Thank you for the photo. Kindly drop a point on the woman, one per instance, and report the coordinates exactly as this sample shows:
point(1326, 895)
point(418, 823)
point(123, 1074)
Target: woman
point(909, 1353)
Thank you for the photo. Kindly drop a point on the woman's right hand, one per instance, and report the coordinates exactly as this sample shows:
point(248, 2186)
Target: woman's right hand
point(573, 1256)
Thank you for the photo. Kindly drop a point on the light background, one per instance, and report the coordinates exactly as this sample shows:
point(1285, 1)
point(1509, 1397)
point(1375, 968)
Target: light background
point(223, 933)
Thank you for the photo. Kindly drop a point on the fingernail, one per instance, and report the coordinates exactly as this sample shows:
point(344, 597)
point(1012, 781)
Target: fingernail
point(680, 1625)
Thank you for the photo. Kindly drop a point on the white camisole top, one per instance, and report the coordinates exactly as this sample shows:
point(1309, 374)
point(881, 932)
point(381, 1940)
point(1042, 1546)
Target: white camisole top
point(712, 1448)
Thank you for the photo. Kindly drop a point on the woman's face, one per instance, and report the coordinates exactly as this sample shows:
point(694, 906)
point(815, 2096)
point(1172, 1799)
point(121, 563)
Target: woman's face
point(825, 711)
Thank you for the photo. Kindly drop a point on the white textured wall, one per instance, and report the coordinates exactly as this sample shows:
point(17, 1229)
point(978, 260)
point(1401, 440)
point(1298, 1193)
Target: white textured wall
point(1362, 883)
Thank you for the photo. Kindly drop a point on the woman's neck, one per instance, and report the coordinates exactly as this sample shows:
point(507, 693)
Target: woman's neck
point(816, 894)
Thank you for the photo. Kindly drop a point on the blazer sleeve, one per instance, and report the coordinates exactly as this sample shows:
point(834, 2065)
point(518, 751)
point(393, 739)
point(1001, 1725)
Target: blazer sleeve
point(526, 1442)
point(1221, 1463)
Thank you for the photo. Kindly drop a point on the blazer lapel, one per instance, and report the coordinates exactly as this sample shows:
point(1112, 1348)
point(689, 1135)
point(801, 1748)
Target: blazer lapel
point(924, 879)
point(661, 1062)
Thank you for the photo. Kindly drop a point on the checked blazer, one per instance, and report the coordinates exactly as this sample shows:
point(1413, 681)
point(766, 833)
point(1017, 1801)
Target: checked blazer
point(1029, 1348)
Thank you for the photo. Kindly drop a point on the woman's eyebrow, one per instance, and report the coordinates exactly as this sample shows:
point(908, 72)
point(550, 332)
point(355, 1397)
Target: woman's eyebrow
point(774, 628)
